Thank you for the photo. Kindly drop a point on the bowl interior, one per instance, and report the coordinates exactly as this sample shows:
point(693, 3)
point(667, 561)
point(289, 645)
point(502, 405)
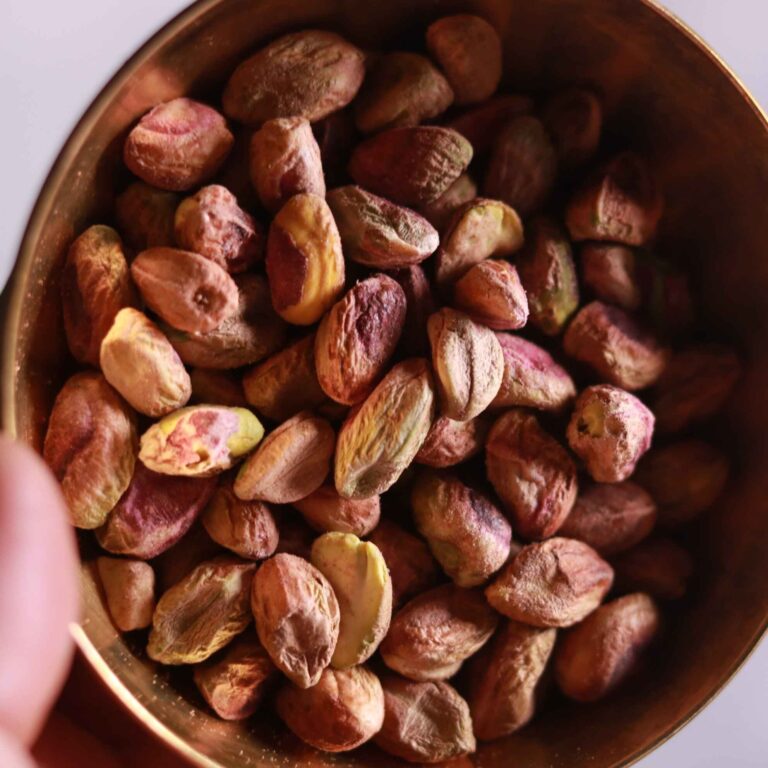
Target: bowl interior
point(664, 95)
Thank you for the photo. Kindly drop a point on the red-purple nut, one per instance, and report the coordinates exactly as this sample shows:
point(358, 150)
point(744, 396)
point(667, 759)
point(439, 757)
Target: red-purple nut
point(660, 567)
point(491, 293)
point(574, 119)
point(609, 271)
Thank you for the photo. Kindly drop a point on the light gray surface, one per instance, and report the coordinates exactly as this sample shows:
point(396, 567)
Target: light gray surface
point(54, 57)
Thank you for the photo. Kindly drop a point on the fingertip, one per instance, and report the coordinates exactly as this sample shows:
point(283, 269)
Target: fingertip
point(12, 753)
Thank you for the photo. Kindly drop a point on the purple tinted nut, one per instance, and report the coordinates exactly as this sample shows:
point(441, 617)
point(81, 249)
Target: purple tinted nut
point(180, 559)
point(574, 119)
point(419, 305)
point(439, 212)
point(129, 586)
point(451, 442)
point(660, 567)
point(491, 293)
point(609, 271)
point(615, 346)
point(212, 386)
point(336, 135)
point(610, 430)
point(326, 511)
point(145, 215)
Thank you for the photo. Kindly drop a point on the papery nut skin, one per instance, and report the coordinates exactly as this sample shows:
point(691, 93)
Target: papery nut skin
point(290, 463)
point(659, 567)
point(574, 119)
point(451, 442)
point(610, 272)
point(619, 203)
point(615, 346)
point(467, 533)
point(212, 386)
point(432, 635)
point(491, 293)
point(200, 440)
point(188, 291)
point(506, 679)
point(178, 145)
point(595, 657)
point(553, 583)
point(326, 511)
point(438, 212)
point(410, 166)
point(357, 338)
point(90, 446)
point(129, 586)
point(523, 166)
point(610, 429)
point(95, 286)
point(424, 722)
point(305, 264)
point(611, 518)
point(154, 513)
point(532, 378)
point(202, 613)
point(382, 437)
point(285, 161)
point(419, 305)
point(469, 51)
point(212, 224)
point(145, 216)
point(532, 474)
point(479, 230)
point(342, 711)
point(401, 89)
point(307, 74)
point(235, 685)
point(297, 617)
point(468, 364)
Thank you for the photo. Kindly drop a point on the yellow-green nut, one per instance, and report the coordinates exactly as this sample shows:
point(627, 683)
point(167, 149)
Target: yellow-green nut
point(360, 579)
point(200, 440)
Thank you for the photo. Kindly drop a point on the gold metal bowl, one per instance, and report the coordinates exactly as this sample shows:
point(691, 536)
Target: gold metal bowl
point(666, 94)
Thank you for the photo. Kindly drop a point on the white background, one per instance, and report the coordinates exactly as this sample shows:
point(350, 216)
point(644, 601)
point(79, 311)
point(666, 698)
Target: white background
point(54, 57)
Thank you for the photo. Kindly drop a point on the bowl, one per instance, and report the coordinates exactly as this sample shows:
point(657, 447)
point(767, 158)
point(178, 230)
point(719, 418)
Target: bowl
point(667, 95)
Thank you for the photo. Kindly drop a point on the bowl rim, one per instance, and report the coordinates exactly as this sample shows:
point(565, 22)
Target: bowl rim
point(12, 316)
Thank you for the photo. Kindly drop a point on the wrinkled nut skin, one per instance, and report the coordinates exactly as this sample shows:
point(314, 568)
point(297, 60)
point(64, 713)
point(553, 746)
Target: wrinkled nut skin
point(531, 377)
point(684, 478)
point(532, 474)
point(432, 635)
point(610, 430)
point(424, 722)
point(297, 617)
point(548, 274)
point(439, 212)
point(468, 364)
point(291, 462)
point(694, 386)
point(595, 657)
point(451, 442)
point(574, 119)
point(410, 166)
point(212, 224)
point(344, 710)
point(619, 203)
point(419, 305)
point(178, 145)
point(658, 567)
point(95, 286)
point(357, 338)
point(90, 447)
point(377, 233)
point(618, 349)
point(235, 685)
point(326, 511)
point(466, 532)
point(285, 161)
point(247, 528)
point(286, 383)
point(523, 166)
point(195, 547)
point(358, 574)
point(199, 440)
point(252, 333)
point(491, 293)
point(611, 518)
point(202, 613)
point(478, 230)
point(469, 51)
point(505, 679)
point(188, 291)
point(129, 586)
point(609, 271)
point(381, 438)
point(305, 264)
point(554, 583)
point(411, 565)
point(402, 89)
point(140, 363)
point(154, 513)
point(145, 216)
point(212, 386)
point(303, 74)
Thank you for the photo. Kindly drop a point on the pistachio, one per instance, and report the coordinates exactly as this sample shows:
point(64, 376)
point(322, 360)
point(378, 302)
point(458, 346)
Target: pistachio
point(659, 567)
point(326, 511)
point(451, 442)
point(145, 216)
point(491, 293)
point(610, 271)
point(438, 212)
point(574, 119)
point(130, 589)
point(419, 305)
point(212, 386)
